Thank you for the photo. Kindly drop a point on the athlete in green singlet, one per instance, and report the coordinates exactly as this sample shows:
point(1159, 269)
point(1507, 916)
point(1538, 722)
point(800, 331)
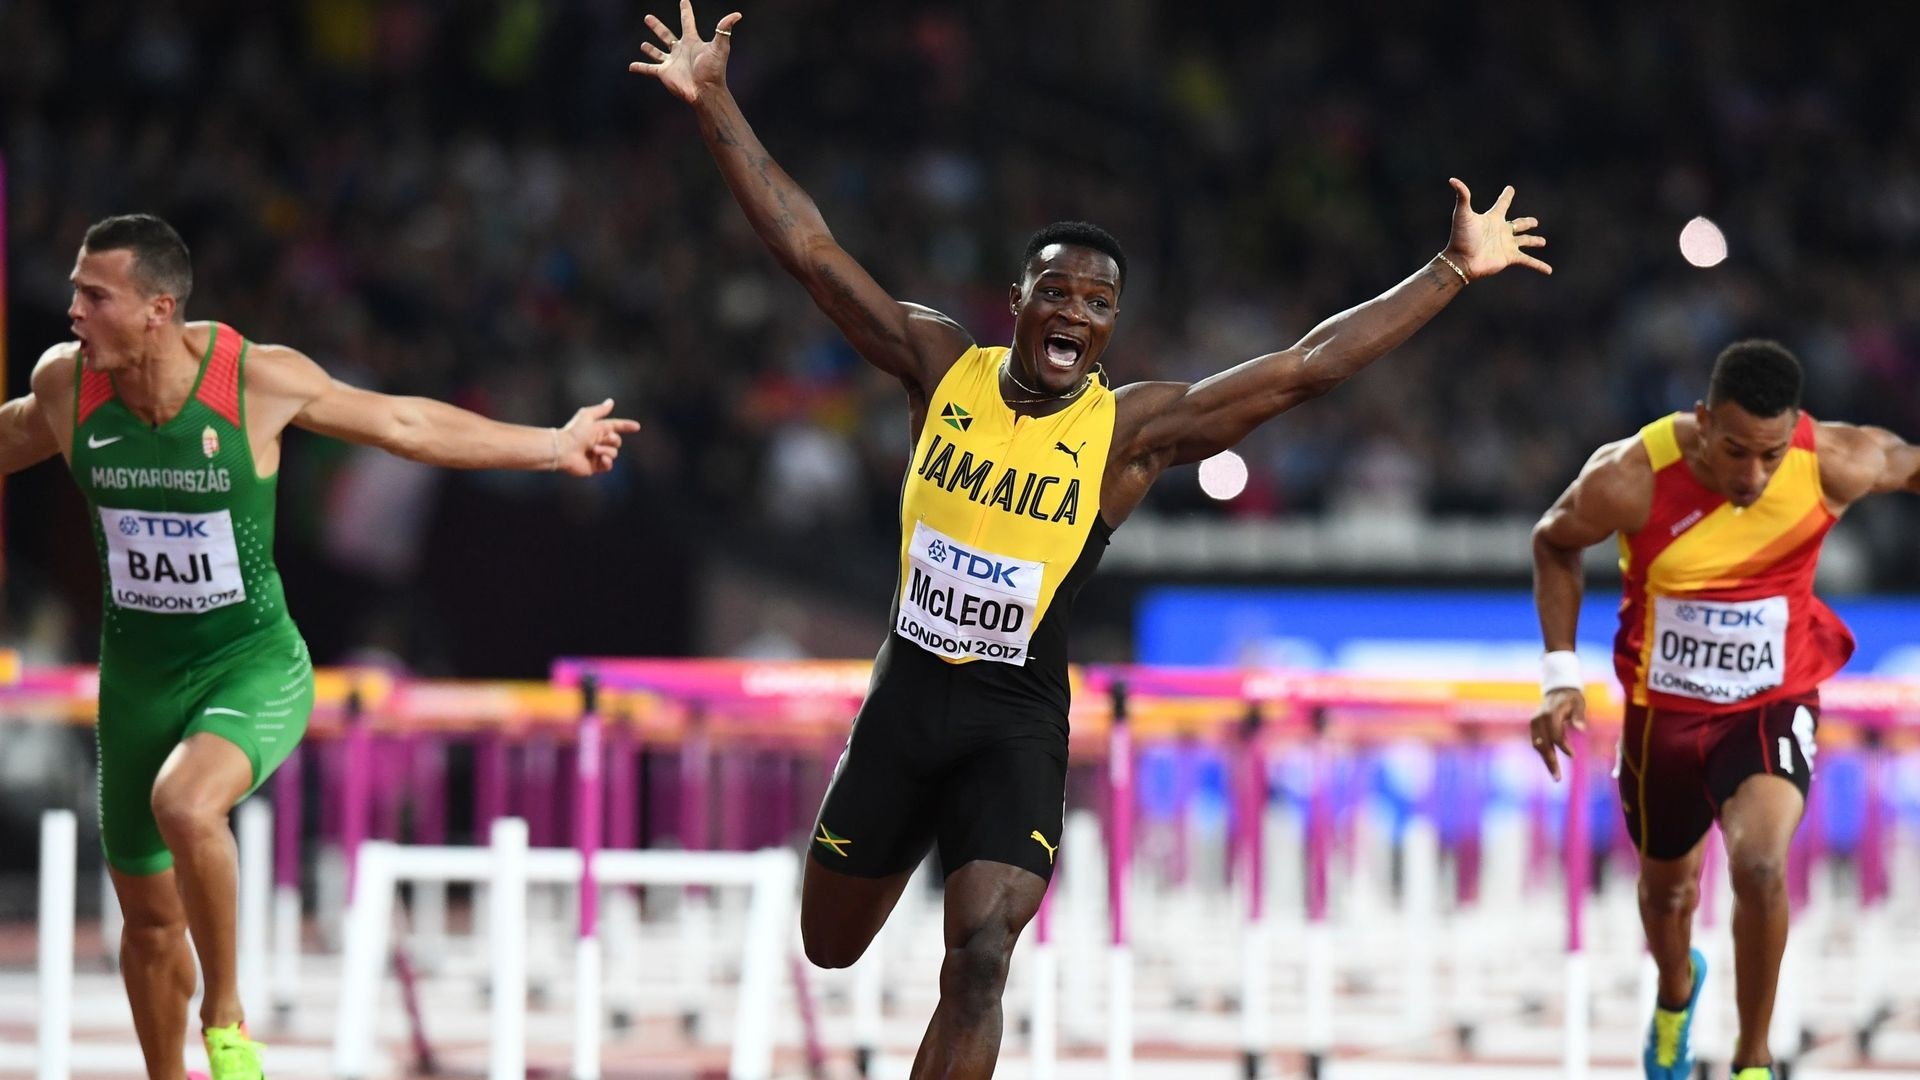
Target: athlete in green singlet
point(172, 430)
point(1024, 464)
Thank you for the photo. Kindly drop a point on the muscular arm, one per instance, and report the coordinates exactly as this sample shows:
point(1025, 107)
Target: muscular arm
point(1195, 422)
point(1613, 493)
point(25, 438)
point(912, 343)
point(54, 384)
point(1165, 424)
point(1859, 461)
point(285, 387)
point(908, 341)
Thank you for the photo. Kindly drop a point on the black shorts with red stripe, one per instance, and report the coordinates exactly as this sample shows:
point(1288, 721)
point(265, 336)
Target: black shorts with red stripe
point(1676, 769)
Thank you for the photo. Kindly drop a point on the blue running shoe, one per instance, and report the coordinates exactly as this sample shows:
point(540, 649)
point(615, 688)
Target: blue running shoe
point(1668, 1056)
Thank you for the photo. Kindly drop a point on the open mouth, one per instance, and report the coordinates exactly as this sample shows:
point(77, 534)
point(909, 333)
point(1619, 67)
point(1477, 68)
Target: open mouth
point(1062, 351)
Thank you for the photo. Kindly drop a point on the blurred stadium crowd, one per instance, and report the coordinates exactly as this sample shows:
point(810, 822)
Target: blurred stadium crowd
point(474, 200)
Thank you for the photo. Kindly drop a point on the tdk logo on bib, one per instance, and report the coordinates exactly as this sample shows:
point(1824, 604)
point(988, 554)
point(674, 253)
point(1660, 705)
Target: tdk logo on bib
point(1719, 652)
point(167, 528)
point(979, 567)
point(964, 603)
point(1722, 617)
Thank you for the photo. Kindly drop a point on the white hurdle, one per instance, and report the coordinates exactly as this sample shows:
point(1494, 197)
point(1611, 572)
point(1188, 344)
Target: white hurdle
point(57, 855)
point(254, 826)
point(112, 920)
point(507, 942)
point(772, 875)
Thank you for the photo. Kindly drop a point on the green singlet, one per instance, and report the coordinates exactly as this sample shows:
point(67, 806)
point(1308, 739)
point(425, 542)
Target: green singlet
point(195, 634)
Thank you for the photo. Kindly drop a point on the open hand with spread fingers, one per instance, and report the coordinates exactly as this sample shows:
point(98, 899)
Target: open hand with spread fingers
point(1485, 244)
point(688, 66)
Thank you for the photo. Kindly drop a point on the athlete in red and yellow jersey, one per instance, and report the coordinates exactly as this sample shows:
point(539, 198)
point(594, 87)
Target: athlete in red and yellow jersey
point(1722, 648)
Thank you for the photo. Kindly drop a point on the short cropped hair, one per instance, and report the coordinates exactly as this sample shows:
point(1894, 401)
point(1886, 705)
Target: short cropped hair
point(1078, 234)
point(1760, 376)
point(162, 266)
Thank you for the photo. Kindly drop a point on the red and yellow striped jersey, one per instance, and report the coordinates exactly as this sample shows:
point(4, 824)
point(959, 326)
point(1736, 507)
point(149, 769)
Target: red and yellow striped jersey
point(1719, 611)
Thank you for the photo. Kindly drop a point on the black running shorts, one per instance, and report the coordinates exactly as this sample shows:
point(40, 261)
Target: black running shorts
point(941, 756)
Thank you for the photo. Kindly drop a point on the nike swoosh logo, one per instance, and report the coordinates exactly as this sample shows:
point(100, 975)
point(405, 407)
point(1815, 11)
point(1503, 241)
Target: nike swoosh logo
point(95, 443)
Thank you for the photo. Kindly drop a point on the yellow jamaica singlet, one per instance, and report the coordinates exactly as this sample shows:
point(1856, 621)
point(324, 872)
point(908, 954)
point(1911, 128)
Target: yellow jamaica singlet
point(1000, 520)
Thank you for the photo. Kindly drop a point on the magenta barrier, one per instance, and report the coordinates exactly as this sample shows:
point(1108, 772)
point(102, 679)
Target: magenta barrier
point(356, 787)
point(427, 780)
point(392, 762)
point(1180, 858)
point(780, 827)
point(1119, 815)
point(1540, 841)
point(735, 789)
point(287, 796)
point(1319, 822)
point(1578, 845)
point(1873, 837)
point(490, 779)
point(1713, 864)
point(588, 809)
point(539, 768)
point(1252, 813)
point(696, 766)
point(623, 787)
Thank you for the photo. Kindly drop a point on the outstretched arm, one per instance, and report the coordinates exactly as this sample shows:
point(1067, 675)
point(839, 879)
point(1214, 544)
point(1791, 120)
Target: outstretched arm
point(910, 342)
point(1190, 423)
point(292, 389)
point(1859, 461)
point(1612, 494)
point(25, 438)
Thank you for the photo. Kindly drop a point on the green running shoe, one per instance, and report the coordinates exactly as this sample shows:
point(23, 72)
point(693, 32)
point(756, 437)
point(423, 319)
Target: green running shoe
point(231, 1055)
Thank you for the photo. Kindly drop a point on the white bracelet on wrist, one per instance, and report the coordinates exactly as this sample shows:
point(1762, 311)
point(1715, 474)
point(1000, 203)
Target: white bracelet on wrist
point(1560, 670)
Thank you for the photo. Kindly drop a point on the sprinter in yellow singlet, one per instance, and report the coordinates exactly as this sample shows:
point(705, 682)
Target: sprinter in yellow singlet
point(1024, 462)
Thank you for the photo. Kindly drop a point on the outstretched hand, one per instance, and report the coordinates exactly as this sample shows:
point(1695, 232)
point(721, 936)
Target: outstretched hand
point(1560, 710)
point(1485, 244)
point(591, 441)
point(689, 67)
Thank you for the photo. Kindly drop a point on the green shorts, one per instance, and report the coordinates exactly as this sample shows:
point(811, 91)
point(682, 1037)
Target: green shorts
point(257, 695)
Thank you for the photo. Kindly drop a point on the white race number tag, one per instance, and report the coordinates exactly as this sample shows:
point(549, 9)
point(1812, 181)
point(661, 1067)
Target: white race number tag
point(961, 602)
point(171, 563)
point(1718, 650)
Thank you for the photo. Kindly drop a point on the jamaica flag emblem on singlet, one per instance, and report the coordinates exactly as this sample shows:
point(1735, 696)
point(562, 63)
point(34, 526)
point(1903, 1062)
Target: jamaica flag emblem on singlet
point(956, 417)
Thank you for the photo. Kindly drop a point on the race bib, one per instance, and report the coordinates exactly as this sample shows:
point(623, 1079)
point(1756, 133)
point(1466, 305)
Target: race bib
point(171, 563)
point(1716, 650)
point(962, 602)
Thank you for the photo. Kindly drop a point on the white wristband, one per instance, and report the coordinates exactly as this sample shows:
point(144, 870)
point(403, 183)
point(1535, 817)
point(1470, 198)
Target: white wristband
point(1560, 670)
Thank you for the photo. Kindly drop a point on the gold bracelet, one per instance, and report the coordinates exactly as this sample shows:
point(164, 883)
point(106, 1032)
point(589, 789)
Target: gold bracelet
point(1451, 265)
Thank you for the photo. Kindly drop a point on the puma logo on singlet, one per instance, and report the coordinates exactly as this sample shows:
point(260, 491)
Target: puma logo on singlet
point(836, 844)
point(1043, 840)
point(1073, 453)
